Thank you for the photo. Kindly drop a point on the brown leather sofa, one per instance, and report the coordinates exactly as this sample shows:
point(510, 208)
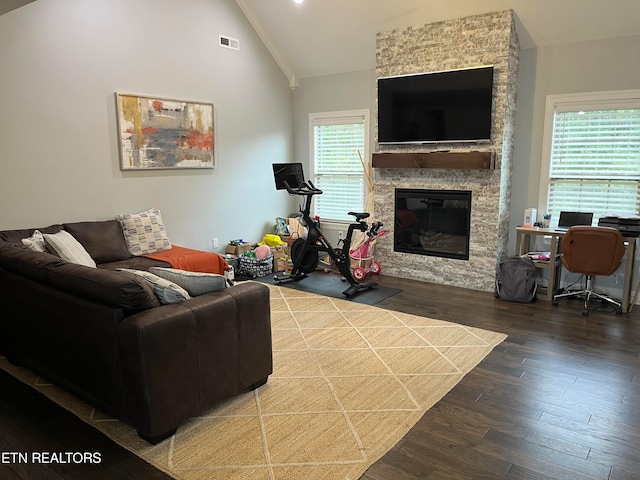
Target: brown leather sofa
point(102, 335)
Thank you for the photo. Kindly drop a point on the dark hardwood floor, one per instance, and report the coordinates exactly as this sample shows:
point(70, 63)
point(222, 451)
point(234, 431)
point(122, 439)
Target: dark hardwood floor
point(559, 399)
point(30, 424)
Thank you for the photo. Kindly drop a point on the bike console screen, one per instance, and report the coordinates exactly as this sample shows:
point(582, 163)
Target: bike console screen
point(291, 172)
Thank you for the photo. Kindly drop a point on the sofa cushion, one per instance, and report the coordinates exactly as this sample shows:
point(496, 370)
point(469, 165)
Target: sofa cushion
point(195, 283)
point(104, 241)
point(166, 291)
point(104, 286)
point(27, 263)
point(144, 232)
point(16, 236)
point(134, 263)
point(35, 242)
point(68, 248)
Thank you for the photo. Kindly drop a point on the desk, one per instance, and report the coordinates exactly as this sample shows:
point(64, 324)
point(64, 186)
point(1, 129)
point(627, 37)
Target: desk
point(554, 267)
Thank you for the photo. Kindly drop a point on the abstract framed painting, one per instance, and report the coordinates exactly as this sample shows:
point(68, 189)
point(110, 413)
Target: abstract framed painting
point(160, 133)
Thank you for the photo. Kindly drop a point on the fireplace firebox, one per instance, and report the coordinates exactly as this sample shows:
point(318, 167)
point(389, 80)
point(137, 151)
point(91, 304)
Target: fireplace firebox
point(432, 222)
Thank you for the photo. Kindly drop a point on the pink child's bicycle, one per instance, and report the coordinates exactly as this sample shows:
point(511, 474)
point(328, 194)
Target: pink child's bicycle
point(362, 261)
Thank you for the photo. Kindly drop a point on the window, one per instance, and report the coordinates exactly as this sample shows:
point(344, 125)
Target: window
point(592, 154)
point(339, 148)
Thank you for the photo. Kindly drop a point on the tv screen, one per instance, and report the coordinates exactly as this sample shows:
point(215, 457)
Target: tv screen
point(291, 172)
point(452, 106)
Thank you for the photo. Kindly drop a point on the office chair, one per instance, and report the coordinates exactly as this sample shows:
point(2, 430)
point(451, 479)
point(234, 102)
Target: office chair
point(591, 251)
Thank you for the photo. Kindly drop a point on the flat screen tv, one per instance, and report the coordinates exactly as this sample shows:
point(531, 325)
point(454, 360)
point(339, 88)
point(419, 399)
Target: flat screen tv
point(437, 107)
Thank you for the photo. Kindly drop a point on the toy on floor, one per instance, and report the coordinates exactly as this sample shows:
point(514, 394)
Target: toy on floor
point(362, 261)
point(262, 252)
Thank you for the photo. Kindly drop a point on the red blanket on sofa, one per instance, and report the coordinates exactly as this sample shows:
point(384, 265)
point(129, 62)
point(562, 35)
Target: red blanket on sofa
point(192, 260)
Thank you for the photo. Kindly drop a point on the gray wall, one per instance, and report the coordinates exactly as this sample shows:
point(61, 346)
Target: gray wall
point(579, 67)
point(572, 68)
point(62, 61)
point(346, 91)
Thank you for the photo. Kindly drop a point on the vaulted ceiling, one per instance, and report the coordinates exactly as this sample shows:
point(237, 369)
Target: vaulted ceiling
point(321, 37)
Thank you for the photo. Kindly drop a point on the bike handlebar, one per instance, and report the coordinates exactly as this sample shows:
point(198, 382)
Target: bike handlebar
point(374, 229)
point(306, 188)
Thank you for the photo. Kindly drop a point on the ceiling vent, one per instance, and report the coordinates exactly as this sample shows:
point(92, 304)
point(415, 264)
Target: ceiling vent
point(228, 42)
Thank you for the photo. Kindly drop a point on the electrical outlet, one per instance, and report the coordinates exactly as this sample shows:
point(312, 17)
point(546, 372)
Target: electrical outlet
point(215, 243)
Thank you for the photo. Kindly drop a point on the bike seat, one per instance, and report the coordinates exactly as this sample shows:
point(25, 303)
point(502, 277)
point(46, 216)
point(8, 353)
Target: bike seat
point(360, 216)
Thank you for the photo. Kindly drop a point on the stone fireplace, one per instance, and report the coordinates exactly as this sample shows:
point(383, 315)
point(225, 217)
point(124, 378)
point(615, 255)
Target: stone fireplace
point(488, 39)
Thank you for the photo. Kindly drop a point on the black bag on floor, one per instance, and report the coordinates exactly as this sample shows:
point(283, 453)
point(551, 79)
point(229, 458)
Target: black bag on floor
point(516, 280)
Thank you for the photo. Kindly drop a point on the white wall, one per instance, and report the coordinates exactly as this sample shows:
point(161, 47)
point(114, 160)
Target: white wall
point(61, 63)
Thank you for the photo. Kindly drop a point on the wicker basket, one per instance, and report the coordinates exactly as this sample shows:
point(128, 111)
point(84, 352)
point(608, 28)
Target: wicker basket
point(254, 267)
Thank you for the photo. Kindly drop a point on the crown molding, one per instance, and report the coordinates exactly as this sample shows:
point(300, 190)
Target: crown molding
point(8, 5)
point(275, 52)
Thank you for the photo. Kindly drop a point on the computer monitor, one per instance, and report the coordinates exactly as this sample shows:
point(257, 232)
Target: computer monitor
point(291, 172)
point(571, 219)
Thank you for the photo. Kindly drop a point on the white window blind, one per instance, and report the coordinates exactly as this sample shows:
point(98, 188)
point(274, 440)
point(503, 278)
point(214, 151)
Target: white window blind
point(595, 162)
point(338, 144)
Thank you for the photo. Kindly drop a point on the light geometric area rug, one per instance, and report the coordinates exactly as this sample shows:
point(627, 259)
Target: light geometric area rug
point(349, 382)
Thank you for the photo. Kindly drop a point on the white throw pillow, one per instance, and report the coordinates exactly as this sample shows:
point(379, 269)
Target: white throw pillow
point(166, 291)
point(68, 248)
point(35, 242)
point(144, 232)
point(196, 283)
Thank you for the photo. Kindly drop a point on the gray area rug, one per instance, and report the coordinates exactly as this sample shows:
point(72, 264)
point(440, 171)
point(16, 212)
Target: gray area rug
point(330, 285)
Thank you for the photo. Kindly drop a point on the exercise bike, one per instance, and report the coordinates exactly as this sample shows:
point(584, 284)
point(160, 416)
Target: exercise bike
point(305, 252)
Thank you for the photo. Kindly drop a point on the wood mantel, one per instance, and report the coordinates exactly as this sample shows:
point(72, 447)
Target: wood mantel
point(446, 160)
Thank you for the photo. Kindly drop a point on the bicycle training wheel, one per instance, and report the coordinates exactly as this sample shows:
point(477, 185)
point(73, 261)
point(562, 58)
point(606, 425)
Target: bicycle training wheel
point(309, 260)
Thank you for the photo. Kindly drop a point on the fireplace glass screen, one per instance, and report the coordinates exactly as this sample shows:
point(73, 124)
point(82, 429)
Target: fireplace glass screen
point(432, 222)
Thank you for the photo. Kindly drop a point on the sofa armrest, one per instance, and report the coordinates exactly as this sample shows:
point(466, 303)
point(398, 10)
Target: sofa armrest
point(158, 352)
point(179, 360)
point(234, 340)
point(253, 303)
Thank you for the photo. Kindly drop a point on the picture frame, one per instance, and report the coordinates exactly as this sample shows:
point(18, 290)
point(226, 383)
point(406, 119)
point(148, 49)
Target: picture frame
point(156, 133)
